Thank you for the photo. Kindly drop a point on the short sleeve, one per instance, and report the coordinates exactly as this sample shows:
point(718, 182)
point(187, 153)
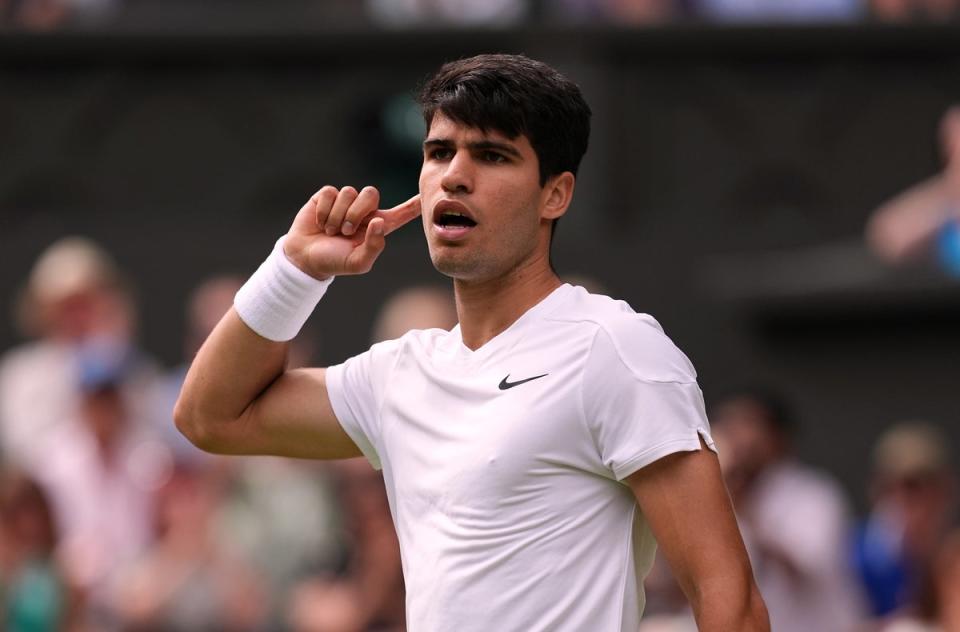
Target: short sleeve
point(641, 398)
point(356, 390)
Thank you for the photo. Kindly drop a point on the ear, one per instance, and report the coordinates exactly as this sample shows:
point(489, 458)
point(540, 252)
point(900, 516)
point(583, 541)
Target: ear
point(557, 194)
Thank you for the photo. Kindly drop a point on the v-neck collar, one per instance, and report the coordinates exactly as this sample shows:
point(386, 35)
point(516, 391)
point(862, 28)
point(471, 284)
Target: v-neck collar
point(506, 337)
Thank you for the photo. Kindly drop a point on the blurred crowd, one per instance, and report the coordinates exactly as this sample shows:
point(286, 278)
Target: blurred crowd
point(42, 15)
point(111, 521)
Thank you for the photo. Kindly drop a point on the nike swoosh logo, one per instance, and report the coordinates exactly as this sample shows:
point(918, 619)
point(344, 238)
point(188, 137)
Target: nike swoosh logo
point(504, 384)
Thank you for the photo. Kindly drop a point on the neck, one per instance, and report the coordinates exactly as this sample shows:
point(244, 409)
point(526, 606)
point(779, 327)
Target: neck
point(486, 308)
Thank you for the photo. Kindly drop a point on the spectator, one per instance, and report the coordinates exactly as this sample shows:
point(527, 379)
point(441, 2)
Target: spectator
point(75, 298)
point(924, 221)
point(904, 10)
point(283, 517)
point(35, 597)
point(618, 12)
point(938, 606)
point(794, 519)
point(188, 581)
point(47, 15)
point(100, 469)
point(780, 10)
point(422, 307)
point(912, 497)
point(412, 13)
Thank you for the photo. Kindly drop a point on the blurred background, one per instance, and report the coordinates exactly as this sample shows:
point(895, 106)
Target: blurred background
point(777, 181)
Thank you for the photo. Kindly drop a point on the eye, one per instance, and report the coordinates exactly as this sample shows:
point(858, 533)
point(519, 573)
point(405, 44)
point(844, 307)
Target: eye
point(440, 153)
point(494, 157)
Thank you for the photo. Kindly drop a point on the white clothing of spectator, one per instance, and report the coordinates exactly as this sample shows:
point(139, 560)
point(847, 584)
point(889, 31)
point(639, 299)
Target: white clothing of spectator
point(100, 469)
point(74, 299)
point(796, 525)
point(795, 520)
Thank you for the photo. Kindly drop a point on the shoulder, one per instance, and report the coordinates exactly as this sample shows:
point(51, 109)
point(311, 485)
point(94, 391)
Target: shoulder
point(32, 355)
point(623, 336)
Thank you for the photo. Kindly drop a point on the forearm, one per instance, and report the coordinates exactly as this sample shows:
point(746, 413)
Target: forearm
point(723, 609)
point(246, 352)
point(237, 397)
point(233, 367)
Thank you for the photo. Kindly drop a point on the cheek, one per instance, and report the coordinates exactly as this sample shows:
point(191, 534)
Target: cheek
point(424, 181)
point(431, 175)
point(518, 203)
point(430, 185)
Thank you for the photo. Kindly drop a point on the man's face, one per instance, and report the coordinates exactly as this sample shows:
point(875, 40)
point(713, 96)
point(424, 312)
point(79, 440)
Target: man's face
point(482, 201)
point(746, 441)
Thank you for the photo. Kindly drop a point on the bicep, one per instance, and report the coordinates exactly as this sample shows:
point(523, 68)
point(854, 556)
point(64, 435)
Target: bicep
point(293, 417)
point(684, 500)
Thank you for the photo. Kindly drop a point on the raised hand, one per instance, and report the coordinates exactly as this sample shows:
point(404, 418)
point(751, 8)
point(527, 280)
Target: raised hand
point(342, 231)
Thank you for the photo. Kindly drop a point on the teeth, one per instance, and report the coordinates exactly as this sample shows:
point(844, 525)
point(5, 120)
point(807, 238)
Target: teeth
point(453, 218)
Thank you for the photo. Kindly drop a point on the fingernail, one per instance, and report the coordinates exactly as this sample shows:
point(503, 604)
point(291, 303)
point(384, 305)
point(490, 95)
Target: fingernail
point(347, 228)
point(330, 230)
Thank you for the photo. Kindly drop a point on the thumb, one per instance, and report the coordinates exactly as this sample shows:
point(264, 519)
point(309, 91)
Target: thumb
point(362, 257)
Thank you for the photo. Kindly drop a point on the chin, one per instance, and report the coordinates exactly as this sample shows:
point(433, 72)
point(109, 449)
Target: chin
point(458, 265)
point(447, 266)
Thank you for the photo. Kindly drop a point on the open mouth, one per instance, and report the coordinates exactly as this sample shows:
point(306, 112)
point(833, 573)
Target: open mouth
point(453, 219)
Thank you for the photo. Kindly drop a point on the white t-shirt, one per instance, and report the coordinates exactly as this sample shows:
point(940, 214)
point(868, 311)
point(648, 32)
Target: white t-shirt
point(504, 465)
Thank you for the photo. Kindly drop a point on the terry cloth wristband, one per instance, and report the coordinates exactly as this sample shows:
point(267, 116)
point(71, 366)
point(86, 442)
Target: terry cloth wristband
point(277, 300)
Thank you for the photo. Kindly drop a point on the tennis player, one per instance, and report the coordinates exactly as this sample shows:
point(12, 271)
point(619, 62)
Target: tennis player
point(534, 454)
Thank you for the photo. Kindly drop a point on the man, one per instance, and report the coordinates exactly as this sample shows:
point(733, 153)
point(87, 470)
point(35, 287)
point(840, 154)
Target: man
point(923, 222)
point(532, 453)
point(795, 518)
point(912, 509)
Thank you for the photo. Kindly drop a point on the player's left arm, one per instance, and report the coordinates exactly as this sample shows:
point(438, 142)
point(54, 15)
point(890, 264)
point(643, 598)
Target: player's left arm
point(686, 504)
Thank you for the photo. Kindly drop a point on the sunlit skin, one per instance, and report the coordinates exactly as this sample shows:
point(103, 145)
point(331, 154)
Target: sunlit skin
point(501, 266)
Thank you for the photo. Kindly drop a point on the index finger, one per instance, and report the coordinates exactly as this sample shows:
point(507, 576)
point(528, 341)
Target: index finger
point(394, 218)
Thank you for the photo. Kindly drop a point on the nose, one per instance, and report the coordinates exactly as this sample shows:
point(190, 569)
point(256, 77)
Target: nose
point(458, 174)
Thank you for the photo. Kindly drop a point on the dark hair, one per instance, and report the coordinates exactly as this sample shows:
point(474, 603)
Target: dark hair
point(514, 95)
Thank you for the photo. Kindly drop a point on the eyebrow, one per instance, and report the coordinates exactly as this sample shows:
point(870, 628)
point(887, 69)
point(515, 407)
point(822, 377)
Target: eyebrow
point(474, 146)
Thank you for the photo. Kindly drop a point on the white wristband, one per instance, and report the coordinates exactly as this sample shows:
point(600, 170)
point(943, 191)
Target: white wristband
point(277, 300)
